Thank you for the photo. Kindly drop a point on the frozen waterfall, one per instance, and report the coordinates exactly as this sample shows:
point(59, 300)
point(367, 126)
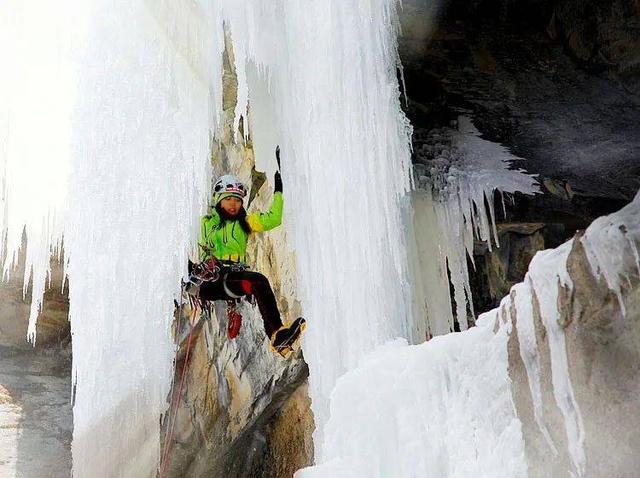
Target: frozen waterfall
point(108, 110)
point(128, 94)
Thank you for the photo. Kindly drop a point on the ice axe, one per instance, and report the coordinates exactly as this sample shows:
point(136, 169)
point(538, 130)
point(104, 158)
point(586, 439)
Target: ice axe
point(278, 156)
point(277, 178)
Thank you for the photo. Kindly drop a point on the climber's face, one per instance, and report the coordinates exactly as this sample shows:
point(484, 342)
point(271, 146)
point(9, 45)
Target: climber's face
point(231, 205)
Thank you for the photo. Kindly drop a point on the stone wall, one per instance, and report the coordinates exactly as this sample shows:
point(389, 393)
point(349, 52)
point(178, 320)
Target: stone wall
point(603, 351)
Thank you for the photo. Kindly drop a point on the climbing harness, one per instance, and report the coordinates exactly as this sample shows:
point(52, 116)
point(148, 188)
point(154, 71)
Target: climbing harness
point(211, 271)
point(202, 271)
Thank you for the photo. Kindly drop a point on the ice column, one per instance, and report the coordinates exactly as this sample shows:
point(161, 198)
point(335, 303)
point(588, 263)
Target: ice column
point(37, 91)
point(150, 83)
point(106, 115)
point(331, 70)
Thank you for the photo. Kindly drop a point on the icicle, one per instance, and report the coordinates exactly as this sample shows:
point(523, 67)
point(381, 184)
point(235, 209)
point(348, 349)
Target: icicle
point(37, 92)
point(609, 241)
point(547, 273)
point(464, 176)
point(523, 305)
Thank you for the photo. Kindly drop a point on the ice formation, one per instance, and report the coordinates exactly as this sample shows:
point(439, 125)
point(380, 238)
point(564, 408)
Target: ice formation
point(439, 409)
point(454, 205)
point(124, 96)
point(36, 100)
point(322, 78)
point(444, 408)
point(108, 112)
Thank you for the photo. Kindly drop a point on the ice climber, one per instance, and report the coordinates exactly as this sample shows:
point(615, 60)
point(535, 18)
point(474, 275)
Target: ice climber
point(223, 243)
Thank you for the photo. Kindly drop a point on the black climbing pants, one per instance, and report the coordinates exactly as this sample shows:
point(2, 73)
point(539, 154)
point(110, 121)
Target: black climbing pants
point(236, 284)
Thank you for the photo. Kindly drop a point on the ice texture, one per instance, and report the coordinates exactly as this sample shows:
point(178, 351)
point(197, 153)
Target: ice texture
point(439, 409)
point(108, 110)
point(126, 139)
point(454, 206)
point(322, 79)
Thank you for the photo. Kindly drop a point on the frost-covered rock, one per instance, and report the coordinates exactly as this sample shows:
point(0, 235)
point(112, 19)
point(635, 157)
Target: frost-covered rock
point(546, 385)
point(602, 356)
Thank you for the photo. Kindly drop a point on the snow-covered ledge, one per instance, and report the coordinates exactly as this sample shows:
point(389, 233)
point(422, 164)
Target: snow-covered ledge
point(547, 384)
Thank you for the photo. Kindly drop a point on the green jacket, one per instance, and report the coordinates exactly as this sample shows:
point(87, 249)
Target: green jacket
point(228, 241)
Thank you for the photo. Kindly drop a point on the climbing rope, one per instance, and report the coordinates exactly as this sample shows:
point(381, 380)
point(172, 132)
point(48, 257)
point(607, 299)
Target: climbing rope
point(164, 462)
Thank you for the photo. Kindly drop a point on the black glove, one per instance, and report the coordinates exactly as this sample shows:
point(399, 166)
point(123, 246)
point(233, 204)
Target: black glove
point(277, 179)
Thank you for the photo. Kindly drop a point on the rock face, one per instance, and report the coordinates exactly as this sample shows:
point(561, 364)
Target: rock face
point(244, 410)
point(554, 81)
point(603, 352)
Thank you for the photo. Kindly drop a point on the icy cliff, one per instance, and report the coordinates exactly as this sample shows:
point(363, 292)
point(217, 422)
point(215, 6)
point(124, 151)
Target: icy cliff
point(538, 388)
point(125, 97)
point(135, 102)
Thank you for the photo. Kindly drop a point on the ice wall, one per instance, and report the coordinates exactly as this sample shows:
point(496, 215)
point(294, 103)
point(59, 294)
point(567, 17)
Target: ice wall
point(327, 71)
point(130, 166)
point(107, 115)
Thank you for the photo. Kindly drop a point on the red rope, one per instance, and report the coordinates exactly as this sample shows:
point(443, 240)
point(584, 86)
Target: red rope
point(164, 462)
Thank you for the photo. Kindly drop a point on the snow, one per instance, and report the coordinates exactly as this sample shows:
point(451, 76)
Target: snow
point(439, 409)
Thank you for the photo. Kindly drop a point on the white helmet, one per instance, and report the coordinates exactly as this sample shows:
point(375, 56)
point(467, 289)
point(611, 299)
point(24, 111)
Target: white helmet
point(228, 185)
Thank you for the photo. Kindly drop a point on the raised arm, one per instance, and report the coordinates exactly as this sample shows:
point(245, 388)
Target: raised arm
point(265, 221)
point(259, 222)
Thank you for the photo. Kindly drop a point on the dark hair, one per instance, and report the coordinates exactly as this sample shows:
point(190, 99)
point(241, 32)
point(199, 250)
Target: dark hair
point(240, 217)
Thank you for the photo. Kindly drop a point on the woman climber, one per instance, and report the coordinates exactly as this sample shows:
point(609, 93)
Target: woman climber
point(223, 243)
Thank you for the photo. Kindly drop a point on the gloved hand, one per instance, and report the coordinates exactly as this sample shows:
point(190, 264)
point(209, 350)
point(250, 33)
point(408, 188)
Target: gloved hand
point(277, 180)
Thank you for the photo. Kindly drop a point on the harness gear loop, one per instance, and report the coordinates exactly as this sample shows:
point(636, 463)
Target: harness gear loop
point(208, 270)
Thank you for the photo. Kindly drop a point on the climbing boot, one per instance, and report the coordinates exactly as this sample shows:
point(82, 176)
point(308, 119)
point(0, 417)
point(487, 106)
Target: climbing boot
point(283, 339)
